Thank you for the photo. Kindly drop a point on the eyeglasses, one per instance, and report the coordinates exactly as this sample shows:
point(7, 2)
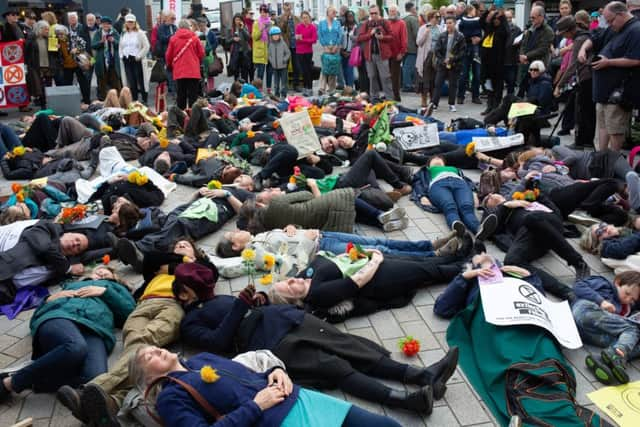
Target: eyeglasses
point(534, 70)
point(602, 227)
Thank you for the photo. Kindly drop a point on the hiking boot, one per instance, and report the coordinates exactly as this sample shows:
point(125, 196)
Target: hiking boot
point(392, 215)
point(129, 254)
point(582, 270)
point(487, 227)
point(599, 370)
point(617, 363)
point(435, 375)
point(395, 225)
point(71, 399)
point(420, 401)
point(101, 409)
point(440, 242)
point(449, 249)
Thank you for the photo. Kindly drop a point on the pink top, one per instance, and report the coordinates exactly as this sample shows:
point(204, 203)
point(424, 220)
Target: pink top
point(566, 57)
point(309, 35)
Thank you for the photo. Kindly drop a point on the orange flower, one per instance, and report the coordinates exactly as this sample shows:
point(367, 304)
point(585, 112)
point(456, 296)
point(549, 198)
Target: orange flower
point(292, 179)
point(106, 259)
point(276, 124)
point(15, 187)
point(370, 147)
point(20, 197)
point(517, 196)
point(251, 134)
point(164, 142)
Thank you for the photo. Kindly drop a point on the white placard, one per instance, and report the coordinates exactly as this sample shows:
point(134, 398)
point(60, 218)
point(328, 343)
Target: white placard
point(416, 137)
point(516, 302)
point(300, 133)
point(492, 143)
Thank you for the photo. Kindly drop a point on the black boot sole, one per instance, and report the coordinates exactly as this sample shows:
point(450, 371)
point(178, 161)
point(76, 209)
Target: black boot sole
point(440, 383)
point(95, 405)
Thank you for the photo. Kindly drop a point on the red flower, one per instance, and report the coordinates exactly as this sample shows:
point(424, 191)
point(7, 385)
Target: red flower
point(15, 187)
point(349, 247)
point(106, 259)
point(409, 346)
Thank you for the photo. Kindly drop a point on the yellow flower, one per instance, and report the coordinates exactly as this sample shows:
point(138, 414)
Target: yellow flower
point(251, 134)
point(248, 254)
point(517, 196)
point(470, 149)
point(208, 374)
point(353, 254)
point(19, 151)
point(142, 179)
point(269, 261)
point(106, 129)
point(186, 259)
point(292, 179)
point(267, 279)
point(20, 197)
point(214, 184)
point(133, 177)
point(164, 142)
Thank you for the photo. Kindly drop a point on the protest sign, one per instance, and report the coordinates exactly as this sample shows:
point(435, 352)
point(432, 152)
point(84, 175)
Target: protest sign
point(13, 75)
point(516, 302)
point(300, 133)
point(416, 137)
point(492, 143)
point(520, 109)
point(621, 403)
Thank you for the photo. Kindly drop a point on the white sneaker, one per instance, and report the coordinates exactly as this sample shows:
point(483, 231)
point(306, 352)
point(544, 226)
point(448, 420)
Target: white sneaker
point(452, 108)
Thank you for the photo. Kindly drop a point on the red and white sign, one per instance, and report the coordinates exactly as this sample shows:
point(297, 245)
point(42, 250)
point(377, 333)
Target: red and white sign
point(175, 6)
point(13, 75)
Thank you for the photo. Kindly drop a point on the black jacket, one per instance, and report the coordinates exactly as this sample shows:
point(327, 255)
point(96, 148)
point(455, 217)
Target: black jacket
point(457, 49)
point(39, 245)
point(493, 58)
point(31, 55)
point(184, 152)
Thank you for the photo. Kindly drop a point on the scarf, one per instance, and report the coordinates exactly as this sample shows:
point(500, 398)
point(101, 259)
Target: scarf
point(108, 53)
point(263, 24)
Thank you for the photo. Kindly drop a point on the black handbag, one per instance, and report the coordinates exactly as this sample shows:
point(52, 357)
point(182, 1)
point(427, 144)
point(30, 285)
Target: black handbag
point(158, 73)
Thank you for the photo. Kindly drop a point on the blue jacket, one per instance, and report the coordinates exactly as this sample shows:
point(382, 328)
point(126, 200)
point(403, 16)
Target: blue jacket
point(461, 292)
point(621, 247)
point(213, 325)
point(470, 27)
point(330, 36)
point(231, 395)
point(165, 32)
point(598, 289)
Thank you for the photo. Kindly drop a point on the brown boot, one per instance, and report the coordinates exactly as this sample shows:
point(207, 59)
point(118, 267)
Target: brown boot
point(394, 195)
point(100, 408)
point(438, 243)
point(404, 190)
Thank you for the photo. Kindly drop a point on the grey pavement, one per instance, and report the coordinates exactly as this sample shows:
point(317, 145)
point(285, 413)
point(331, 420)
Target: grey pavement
point(461, 405)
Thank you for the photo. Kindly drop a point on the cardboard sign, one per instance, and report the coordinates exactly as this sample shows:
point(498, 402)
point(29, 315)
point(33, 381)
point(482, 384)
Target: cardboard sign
point(416, 137)
point(519, 109)
point(13, 75)
point(492, 143)
point(300, 133)
point(516, 302)
point(621, 403)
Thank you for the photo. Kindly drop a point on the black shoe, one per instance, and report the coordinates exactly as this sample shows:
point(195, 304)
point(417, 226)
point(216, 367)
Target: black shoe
point(564, 132)
point(617, 365)
point(460, 101)
point(476, 101)
point(459, 228)
point(582, 270)
point(129, 254)
point(5, 393)
point(487, 227)
point(101, 409)
point(599, 370)
point(71, 399)
point(435, 375)
point(420, 401)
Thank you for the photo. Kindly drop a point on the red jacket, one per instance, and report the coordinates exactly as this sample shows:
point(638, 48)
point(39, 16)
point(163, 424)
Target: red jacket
point(384, 43)
point(187, 64)
point(399, 34)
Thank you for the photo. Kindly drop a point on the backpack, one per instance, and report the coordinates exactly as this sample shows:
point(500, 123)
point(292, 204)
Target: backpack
point(489, 183)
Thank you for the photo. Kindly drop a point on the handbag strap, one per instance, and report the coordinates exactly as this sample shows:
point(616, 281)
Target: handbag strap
point(184, 48)
point(209, 409)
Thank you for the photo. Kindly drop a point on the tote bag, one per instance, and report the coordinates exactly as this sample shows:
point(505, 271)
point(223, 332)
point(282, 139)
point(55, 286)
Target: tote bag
point(355, 60)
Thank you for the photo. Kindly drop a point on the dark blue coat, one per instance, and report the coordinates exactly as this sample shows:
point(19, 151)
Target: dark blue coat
point(540, 92)
point(231, 395)
point(213, 325)
point(598, 289)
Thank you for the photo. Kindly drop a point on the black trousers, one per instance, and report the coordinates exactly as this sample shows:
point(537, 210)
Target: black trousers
point(450, 74)
point(590, 196)
point(282, 159)
point(187, 92)
point(84, 84)
point(305, 60)
point(256, 113)
point(540, 232)
point(360, 173)
point(133, 70)
point(585, 112)
point(42, 134)
point(453, 155)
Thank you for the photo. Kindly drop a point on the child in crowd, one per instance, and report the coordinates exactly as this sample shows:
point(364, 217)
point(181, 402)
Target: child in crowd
point(600, 310)
point(279, 55)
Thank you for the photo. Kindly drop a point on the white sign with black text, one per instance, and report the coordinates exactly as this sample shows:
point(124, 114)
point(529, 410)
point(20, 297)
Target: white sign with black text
point(492, 143)
point(516, 302)
point(416, 137)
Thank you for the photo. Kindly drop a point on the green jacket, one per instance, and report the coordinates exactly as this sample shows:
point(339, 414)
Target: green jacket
point(98, 314)
point(98, 46)
point(260, 51)
point(541, 48)
point(333, 211)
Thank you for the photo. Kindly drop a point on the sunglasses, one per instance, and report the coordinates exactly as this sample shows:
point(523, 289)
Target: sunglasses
point(534, 70)
point(602, 227)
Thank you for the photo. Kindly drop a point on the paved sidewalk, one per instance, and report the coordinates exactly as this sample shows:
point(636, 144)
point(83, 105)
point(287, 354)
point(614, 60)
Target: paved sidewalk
point(461, 405)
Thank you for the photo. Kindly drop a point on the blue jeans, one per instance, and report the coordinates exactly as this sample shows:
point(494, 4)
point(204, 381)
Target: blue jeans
point(621, 247)
point(8, 140)
point(70, 355)
point(469, 63)
point(409, 71)
point(128, 130)
point(280, 82)
point(604, 329)
point(336, 242)
point(357, 417)
point(260, 69)
point(347, 72)
point(454, 197)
